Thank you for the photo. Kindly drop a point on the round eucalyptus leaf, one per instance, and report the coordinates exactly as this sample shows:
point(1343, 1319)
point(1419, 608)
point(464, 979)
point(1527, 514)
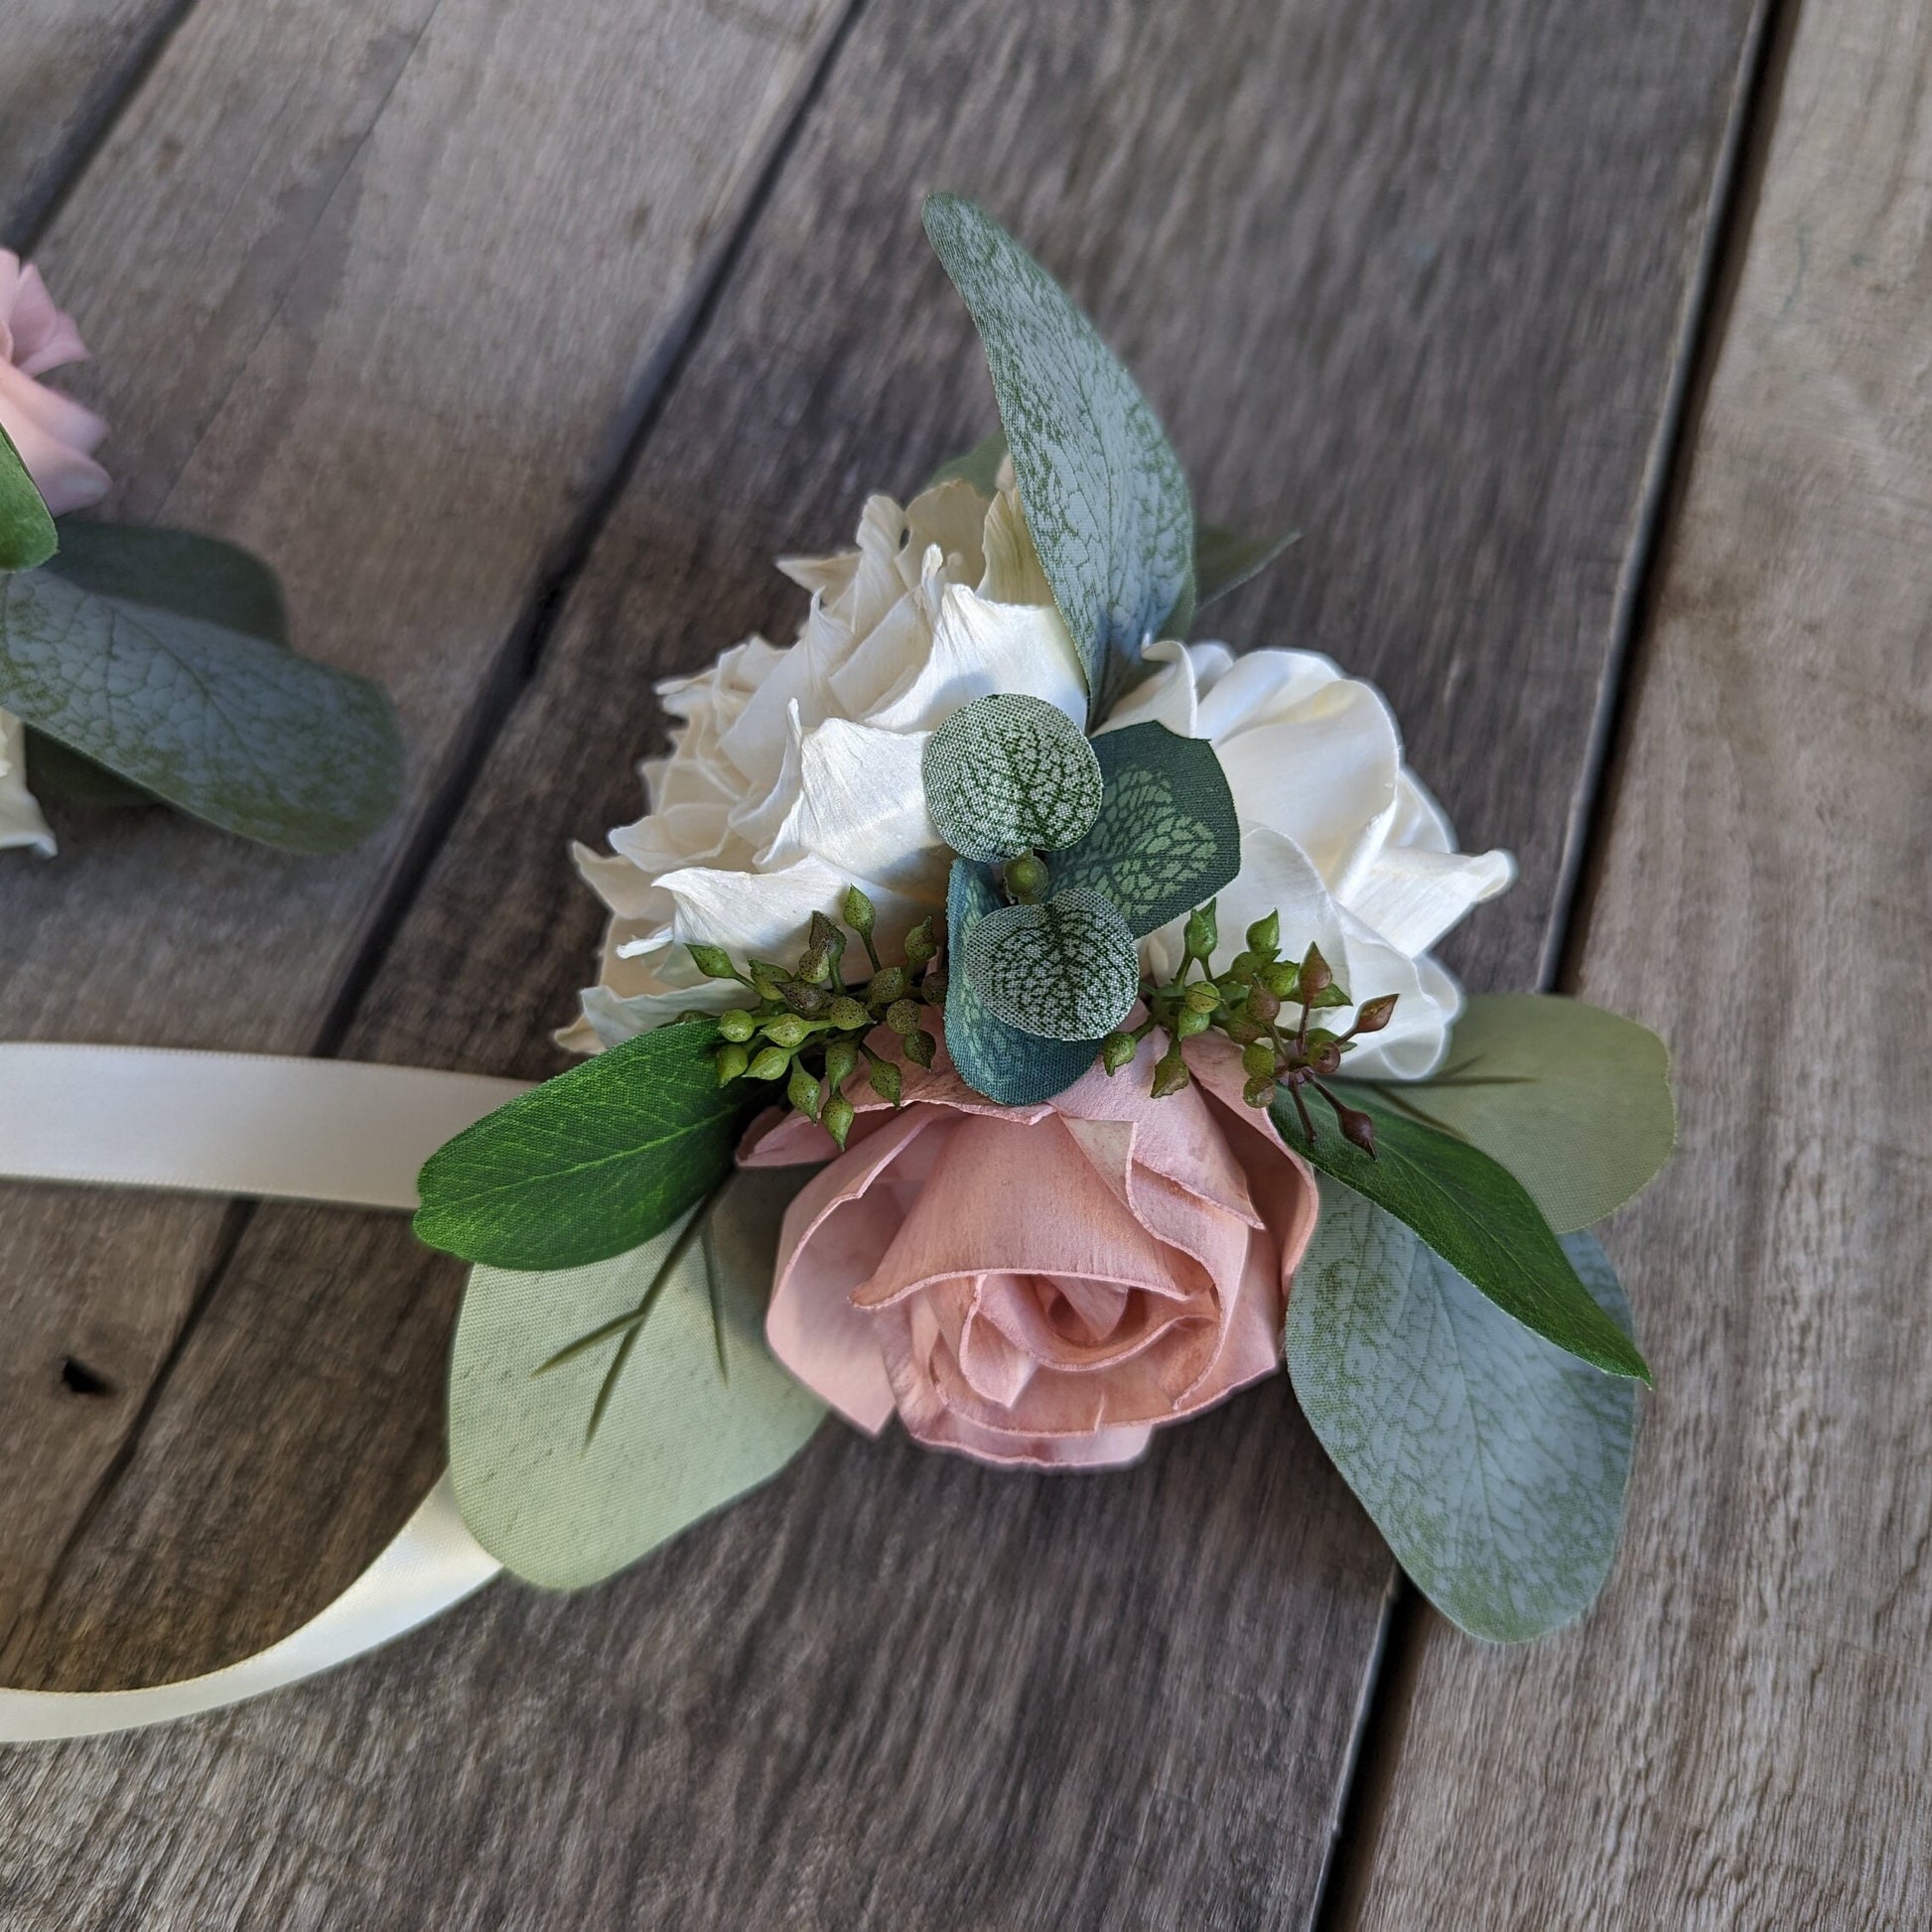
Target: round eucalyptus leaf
point(1008, 775)
point(1493, 1463)
point(1065, 970)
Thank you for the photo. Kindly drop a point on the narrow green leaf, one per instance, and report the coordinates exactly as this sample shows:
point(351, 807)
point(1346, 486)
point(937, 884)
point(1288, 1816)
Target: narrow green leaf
point(1494, 1463)
point(1475, 1214)
point(1166, 839)
point(1065, 970)
point(1104, 494)
point(27, 534)
point(181, 571)
point(1009, 774)
point(1224, 559)
point(979, 466)
point(563, 1505)
point(226, 727)
point(591, 1163)
point(1015, 1069)
point(1574, 1101)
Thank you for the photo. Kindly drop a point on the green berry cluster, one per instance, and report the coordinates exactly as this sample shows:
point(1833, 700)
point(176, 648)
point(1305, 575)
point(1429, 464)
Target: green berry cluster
point(809, 1026)
point(1266, 1004)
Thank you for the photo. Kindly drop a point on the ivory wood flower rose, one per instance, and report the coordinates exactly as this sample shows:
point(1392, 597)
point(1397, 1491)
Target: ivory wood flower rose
point(1040, 1286)
point(56, 438)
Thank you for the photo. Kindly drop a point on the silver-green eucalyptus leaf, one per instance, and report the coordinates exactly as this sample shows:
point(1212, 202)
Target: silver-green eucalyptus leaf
point(597, 1412)
point(1066, 970)
point(1104, 494)
point(1009, 773)
point(27, 534)
point(1574, 1101)
point(231, 727)
point(1493, 1463)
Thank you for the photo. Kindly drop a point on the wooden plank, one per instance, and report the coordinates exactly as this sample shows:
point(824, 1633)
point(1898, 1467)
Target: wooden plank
point(1741, 1733)
point(1353, 252)
point(65, 67)
point(370, 289)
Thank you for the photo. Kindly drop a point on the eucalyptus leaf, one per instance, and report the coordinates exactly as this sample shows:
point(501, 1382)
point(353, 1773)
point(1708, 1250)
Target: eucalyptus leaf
point(181, 571)
point(27, 534)
point(63, 774)
point(1008, 774)
point(1012, 1067)
point(1166, 839)
point(1494, 1463)
point(979, 466)
point(698, 1413)
point(225, 725)
point(1574, 1101)
point(1473, 1214)
point(1224, 559)
point(591, 1163)
point(1066, 970)
point(1104, 494)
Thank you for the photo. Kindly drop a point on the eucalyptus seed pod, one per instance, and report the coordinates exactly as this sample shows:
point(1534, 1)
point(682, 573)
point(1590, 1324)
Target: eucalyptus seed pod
point(1259, 1059)
point(1263, 1004)
point(1027, 877)
point(920, 944)
point(1373, 1015)
point(815, 966)
point(769, 1063)
point(857, 911)
point(1202, 933)
point(903, 1016)
point(1356, 1129)
point(885, 1081)
point(1244, 1032)
point(1202, 996)
point(1169, 1074)
point(1283, 979)
point(802, 1091)
point(786, 1029)
point(1265, 936)
point(887, 986)
point(1189, 1021)
point(1117, 1051)
point(840, 1056)
point(1316, 975)
point(813, 1002)
point(733, 1059)
point(1328, 1060)
point(932, 989)
point(837, 1118)
point(826, 936)
point(1259, 1090)
point(846, 1013)
point(921, 1047)
point(737, 1025)
point(714, 962)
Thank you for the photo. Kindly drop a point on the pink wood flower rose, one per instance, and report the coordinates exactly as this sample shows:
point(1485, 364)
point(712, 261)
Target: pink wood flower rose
point(1038, 1286)
point(56, 437)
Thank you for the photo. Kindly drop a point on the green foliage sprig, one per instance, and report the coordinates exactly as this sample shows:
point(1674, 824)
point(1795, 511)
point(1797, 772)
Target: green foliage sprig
point(810, 1027)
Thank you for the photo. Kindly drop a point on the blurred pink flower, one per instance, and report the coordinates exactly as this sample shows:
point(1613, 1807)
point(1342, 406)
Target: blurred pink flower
point(54, 435)
point(1038, 1286)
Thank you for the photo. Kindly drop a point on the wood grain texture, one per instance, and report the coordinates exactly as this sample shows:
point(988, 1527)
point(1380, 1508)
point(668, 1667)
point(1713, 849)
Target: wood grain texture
point(371, 288)
point(65, 65)
point(1408, 277)
point(1741, 1734)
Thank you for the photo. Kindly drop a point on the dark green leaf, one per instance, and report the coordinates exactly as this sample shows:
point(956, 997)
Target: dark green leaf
point(225, 725)
point(1104, 494)
point(1166, 839)
point(192, 576)
point(1015, 1069)
point(980, 465)
point(591, 1163)
point(1224, 560)
point(1475, 1214)
point(74, 780)
point(1065, 970)
point(1574, 1101)
point(1494, 1463)
point(27, 534)
point(698, 1413)
point(1008, 774)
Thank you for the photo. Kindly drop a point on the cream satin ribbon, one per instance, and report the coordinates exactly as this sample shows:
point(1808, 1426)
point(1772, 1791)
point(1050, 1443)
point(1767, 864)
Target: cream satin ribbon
point(248, 1124)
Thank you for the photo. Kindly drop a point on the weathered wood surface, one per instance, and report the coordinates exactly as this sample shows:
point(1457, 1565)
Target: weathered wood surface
point(1741, 1733)
point(1409, 278)
point(355, 302)
point(65, 65)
